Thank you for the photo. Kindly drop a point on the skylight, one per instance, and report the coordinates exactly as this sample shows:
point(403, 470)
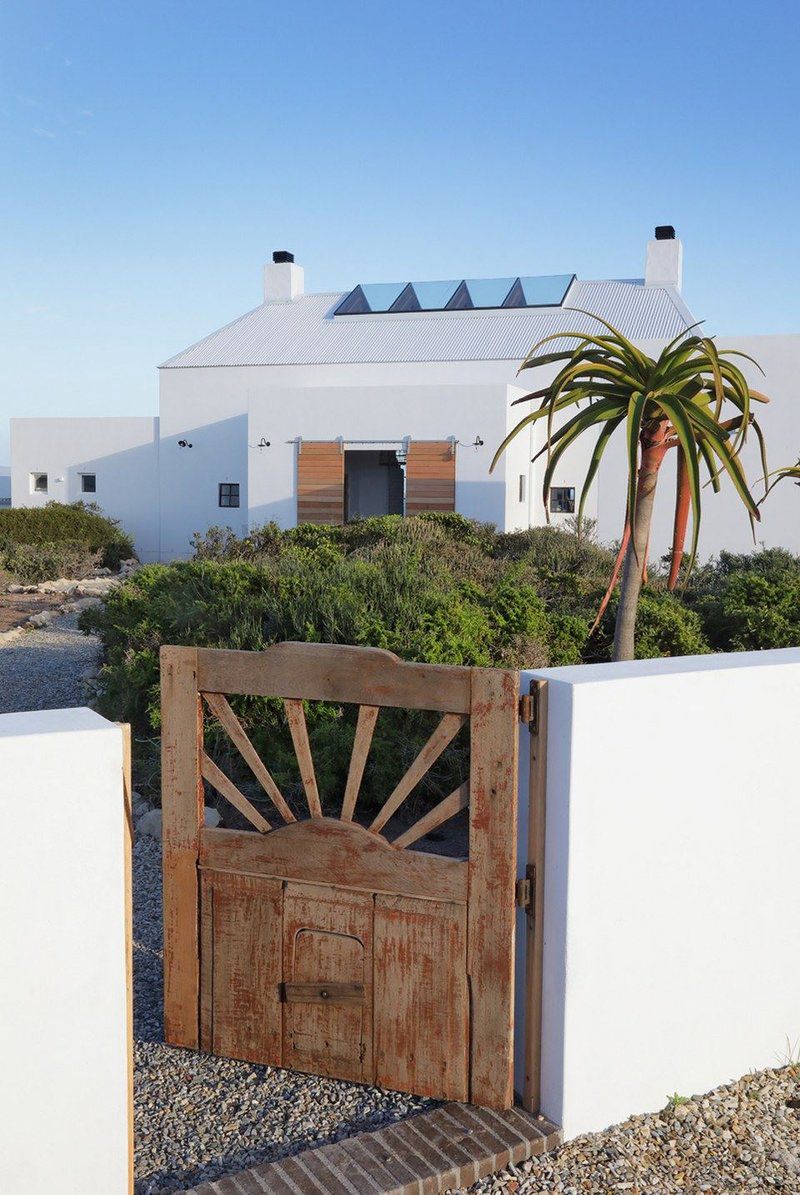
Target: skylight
point(547, 290)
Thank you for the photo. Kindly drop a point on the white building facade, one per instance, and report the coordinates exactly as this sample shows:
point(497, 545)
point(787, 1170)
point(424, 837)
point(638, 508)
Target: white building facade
point(389, 398)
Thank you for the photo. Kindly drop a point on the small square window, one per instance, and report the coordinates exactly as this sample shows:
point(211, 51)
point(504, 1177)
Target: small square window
point(88, 483)
point(523, 487)
point(229, 493)
point(38, 483)
point(562, 500)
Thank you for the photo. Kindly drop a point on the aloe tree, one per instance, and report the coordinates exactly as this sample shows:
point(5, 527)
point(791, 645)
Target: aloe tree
point(679, 400)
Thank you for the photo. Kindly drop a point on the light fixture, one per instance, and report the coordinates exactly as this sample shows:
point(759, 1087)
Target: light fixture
point(477, 443)
point(184, 444)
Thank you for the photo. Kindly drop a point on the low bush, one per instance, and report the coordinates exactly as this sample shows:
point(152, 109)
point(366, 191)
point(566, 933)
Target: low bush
point(749, 603)
point(66, 536)
point(30, 564)
point(435, 589)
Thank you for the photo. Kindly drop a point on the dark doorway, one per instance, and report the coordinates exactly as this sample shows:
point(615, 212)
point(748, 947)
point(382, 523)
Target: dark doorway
point(374, 484)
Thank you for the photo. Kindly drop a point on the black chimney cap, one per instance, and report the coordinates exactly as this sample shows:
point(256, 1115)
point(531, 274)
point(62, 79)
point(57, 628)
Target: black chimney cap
point(281, 255)
point(665, 232)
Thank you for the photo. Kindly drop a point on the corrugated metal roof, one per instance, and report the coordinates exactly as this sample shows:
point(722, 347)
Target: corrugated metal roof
point(305, 332)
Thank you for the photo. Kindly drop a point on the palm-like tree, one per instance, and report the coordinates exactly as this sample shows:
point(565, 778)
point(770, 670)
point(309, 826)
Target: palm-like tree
point(678, 400)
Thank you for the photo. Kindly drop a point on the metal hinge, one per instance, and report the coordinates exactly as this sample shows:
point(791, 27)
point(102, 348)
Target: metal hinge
point(526, 890)
point(529, 709)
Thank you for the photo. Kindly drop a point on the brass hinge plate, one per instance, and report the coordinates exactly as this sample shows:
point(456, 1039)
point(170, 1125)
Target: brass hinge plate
point(529, 709)
point(526, 890)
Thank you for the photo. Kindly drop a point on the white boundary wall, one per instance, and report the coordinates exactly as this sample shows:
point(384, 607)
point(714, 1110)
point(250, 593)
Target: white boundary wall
point(63, 995)
point(672, 902)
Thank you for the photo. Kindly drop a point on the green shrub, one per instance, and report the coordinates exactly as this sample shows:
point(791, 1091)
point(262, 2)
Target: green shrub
point(30, 564)
point(750, 603)
point(665, 626)
point(67, 527)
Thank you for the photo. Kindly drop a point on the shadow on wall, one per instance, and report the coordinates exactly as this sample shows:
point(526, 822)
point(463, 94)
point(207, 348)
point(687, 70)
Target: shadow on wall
point(192, 464)
point(126, 490)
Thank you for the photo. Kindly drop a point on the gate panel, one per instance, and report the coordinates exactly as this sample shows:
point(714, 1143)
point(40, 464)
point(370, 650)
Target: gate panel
point(421, 998)
point(327, 967)
point(241, 935)
point(269, 932)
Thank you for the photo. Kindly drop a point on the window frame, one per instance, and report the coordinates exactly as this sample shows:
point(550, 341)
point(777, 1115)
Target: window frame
point(34, 482)
point(84, 477)
point(571, 493)
point(229, 487)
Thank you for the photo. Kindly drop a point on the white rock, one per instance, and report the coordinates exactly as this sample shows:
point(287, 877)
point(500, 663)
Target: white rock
point(42, 618)
point(150, 822)
point(62, 585)
point(16, 589)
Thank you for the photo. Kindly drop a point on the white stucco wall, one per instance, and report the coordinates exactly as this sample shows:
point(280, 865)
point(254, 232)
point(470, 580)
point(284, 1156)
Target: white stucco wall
point(63, 995)
point(121, 452)
point(672, 908)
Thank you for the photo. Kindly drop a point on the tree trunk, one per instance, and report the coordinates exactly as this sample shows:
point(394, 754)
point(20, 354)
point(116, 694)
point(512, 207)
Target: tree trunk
point(653, 449)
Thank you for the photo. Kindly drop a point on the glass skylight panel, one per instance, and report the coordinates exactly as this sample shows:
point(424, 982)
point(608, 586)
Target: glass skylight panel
point(548, 290)
point(434, 296)
point(406, 300)
point(488, 292)
point(381, 295)
point(353, 304)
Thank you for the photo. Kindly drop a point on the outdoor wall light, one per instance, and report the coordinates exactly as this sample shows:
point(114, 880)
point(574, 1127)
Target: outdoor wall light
point(477, 442)
point(184, 444)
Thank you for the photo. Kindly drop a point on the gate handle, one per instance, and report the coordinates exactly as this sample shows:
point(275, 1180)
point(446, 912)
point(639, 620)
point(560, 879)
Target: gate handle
point(323, 993)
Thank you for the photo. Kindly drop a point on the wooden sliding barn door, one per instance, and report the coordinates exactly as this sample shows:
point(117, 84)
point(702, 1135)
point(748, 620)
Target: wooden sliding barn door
point(318, 939)
point(430, 476)
point(320, 482)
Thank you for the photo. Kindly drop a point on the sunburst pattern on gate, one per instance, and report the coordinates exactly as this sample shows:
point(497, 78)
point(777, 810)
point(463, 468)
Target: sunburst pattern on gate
point(443, 735)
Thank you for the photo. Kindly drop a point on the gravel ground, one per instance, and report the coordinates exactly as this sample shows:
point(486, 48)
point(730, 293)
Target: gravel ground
point(739, 1138)
point(198, 1117)
point(47, 669)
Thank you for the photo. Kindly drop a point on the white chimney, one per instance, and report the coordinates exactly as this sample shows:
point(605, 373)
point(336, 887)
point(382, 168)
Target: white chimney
point(283, 280)
point(664, 266)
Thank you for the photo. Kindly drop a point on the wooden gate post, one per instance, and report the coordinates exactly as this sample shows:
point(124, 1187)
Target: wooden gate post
point(182, 817)
point(534, 947)
point(492, 877)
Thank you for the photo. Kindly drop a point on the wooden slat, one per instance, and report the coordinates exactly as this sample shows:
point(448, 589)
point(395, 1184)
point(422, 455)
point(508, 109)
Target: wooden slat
point(230, 792)
point(492, 876)
point(207, 961)
point(182, 817)
point(421, 997)
point(534, 946)
point(327, 851)
point(430, 476)
point(443, 735)
point(440, 813)
point(320, 483)
point(323, 993)
point(365, 727)
point(302, 748)
point(222, 711)
point(328, 937)
point(333, 672)
point(247, 927)
point(127, 847)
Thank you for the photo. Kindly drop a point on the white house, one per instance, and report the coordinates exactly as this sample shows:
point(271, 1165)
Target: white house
point(390, 397)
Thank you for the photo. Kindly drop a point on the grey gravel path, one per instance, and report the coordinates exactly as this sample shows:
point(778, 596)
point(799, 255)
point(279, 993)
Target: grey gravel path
point(198, 1117)
point(47, 669)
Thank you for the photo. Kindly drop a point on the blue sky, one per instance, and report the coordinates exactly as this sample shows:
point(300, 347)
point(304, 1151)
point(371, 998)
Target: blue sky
point(152, 156)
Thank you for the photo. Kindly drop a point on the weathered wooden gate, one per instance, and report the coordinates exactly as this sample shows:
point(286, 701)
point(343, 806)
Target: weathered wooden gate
point(321, 945)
